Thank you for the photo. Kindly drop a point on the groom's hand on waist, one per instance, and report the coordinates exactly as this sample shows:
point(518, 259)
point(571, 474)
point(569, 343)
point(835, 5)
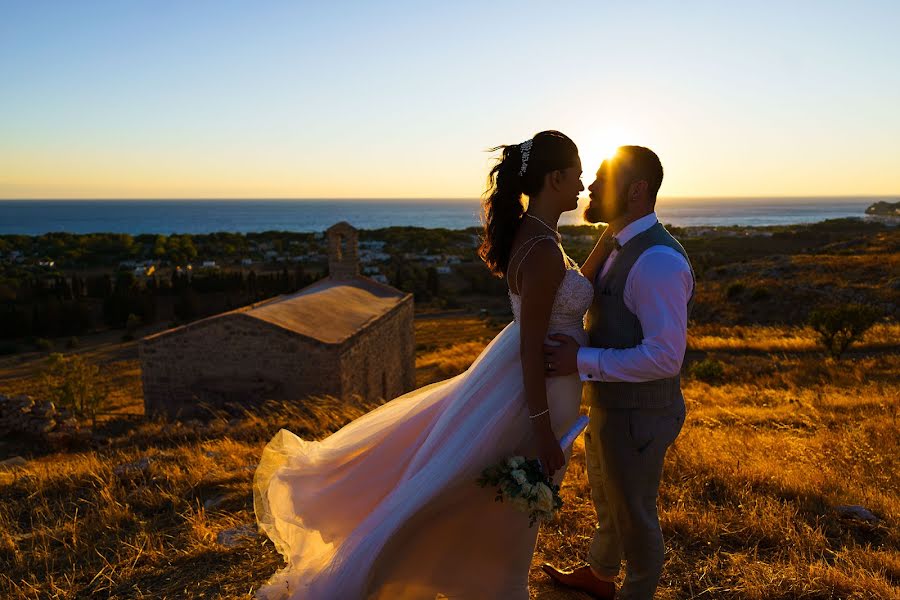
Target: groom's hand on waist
point(561, 359)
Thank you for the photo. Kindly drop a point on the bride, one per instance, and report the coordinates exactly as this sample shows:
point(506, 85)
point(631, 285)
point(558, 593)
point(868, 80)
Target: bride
point(387, 507)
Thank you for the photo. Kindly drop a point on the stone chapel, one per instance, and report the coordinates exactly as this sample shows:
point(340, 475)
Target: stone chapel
point(345, 336)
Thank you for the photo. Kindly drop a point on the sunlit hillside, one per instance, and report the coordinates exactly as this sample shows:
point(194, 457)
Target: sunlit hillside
point(779, 441)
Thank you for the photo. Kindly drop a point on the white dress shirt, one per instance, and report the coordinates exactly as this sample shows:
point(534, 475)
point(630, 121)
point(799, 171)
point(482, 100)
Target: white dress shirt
point(657, 292)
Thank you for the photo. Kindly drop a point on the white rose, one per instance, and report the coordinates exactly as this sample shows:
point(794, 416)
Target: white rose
point(520, 503)
point(544, 498)
point(519, 476)
point(514, 462)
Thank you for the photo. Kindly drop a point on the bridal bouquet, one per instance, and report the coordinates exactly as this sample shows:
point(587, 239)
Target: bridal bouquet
point(521, 481)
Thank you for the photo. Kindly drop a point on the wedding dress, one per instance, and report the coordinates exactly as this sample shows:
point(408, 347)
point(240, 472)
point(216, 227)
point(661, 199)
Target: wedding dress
point(388, 508)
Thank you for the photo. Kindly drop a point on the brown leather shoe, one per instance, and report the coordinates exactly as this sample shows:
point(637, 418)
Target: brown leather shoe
point(582, 579)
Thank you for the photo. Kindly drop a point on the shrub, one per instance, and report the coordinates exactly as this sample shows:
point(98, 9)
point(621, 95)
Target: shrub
point(708, 369)
point(43, 344)
point(72, 342)
point(7, 348)
point(735, 289)
point(73, 382)
point(759, 294)
point(839, 326)
point(132, 324)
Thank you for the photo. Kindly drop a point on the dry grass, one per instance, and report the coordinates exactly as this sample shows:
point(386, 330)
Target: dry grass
point(433, 333)
point(747, 503)
point(101, 524)
point(448, 345)
point(750, 489)
point(743, 338)
point(441, 364)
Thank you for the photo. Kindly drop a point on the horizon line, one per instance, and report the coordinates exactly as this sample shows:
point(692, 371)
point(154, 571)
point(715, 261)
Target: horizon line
point(419, 199)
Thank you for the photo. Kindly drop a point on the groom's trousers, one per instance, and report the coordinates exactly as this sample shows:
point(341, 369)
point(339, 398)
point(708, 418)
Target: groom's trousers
point(625, 449)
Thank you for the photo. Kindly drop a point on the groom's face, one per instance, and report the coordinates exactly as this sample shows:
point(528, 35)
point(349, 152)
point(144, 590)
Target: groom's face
point(608, 194)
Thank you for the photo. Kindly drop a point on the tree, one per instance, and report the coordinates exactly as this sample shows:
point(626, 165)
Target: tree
point(433, 283)
point(74, 382)
point(131, 326)
point(187, 307)
point(839, 326)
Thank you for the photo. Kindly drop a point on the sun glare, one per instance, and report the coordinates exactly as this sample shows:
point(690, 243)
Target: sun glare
point(600, 145)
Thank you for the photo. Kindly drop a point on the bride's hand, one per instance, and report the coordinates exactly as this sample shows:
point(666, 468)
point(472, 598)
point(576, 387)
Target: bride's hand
point(549, 451)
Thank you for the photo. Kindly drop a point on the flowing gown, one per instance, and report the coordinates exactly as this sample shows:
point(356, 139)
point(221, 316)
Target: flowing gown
point(387, 507)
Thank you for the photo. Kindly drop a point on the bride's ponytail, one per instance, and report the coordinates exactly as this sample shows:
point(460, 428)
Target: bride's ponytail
point(502, 209)
point(513, 176)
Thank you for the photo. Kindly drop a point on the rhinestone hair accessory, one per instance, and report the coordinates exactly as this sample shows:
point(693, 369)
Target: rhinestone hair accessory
point(525, 149)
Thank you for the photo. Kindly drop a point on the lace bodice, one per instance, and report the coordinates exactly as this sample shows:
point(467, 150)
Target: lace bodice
point(573, 299)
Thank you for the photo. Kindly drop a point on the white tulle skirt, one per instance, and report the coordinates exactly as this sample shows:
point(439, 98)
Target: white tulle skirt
point(388, 507)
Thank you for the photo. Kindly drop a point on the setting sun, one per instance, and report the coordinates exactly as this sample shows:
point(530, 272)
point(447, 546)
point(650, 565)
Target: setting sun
point(601, 143)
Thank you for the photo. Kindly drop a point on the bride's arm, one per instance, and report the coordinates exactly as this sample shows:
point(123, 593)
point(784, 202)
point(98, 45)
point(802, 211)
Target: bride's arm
point(598, 256)
point(541, 276)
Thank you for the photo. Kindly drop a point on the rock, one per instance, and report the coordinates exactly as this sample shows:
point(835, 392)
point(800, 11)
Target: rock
point(12, 463)
point(857, 512)
point(44, 409)
point(213, 502)
point(70, 423)
point(236, 535)
point(133, 467)
point(44, 426)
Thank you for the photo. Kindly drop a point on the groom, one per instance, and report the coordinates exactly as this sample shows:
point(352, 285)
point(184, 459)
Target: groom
point(637, 326)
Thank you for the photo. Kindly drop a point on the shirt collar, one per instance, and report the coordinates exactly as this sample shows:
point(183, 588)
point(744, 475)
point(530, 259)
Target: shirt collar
point(636, 227)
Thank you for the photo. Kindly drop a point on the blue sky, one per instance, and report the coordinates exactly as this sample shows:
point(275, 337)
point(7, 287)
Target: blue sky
point(400, 99)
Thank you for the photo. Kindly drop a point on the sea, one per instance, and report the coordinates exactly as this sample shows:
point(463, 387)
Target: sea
point(36, 217)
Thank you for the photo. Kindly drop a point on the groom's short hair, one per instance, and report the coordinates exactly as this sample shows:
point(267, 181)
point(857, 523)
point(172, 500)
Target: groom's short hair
point(643, 163)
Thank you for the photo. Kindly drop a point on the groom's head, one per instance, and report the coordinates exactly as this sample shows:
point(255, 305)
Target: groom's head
point(625, 187)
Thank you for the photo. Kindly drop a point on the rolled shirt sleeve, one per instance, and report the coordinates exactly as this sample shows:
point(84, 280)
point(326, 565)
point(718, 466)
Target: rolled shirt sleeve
point(657, 292)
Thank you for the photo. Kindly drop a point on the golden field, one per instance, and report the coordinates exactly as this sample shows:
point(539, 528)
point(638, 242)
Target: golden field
point(747, 504)
point(773, 444)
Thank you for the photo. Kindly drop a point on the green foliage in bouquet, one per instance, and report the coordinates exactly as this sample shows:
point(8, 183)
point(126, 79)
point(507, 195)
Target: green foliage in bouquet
point(522, 482)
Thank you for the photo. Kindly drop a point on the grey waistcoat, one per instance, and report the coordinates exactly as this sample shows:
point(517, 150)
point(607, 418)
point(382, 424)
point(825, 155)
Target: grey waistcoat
point(610, 324)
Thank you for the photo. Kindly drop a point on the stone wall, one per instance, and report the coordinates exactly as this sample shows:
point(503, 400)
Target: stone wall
point(232, 358)
point(380, 361)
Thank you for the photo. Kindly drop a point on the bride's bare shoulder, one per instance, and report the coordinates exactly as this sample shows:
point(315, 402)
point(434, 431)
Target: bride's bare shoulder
point(540, 260)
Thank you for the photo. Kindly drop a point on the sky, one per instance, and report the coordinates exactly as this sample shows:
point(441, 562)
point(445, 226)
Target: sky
point(264, 99)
